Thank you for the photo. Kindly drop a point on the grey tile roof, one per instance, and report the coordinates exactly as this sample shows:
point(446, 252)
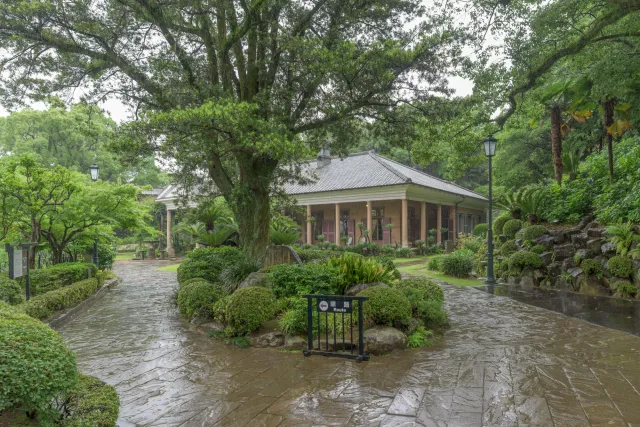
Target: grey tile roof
point(364, 170)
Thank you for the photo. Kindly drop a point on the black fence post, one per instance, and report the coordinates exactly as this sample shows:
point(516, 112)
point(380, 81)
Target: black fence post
point(310, 326)
point(360, 329)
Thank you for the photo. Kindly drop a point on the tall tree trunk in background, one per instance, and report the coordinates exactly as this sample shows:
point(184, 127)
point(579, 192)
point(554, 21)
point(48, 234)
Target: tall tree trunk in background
point(608, 106)
point(556, 142)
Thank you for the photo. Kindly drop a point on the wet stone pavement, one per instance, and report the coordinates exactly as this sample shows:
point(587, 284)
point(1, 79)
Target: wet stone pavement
point(502, 363)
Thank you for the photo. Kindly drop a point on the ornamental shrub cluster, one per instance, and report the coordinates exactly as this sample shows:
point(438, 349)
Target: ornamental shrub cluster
point(10, 291)
point(533, 232)
point(57, 276)
point(458, 263)
point(511, 228)
point(43, 306)
point(196, 298)
point(426, 299)
point(428, 289)
point(386, 306)
point(523, 259)
point(480, 230)
point(591, 266)
point(353, 270)
point(620, 266)
point(248, 308)
point(508, 247)
point(291, 279)
point(208, 263)
point(499, 222)
point(625, 289)
point(91, 403)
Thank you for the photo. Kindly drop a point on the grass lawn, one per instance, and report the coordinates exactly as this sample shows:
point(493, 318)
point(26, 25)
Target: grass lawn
point(124, 256)
point(421, 270)
point(400, 261)
point(172, 268)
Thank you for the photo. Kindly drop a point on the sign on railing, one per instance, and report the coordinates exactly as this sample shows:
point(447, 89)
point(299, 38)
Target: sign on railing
point(330, 318)
point(19, 263)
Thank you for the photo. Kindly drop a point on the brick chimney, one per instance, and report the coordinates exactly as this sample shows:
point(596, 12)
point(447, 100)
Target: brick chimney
point(324, 158)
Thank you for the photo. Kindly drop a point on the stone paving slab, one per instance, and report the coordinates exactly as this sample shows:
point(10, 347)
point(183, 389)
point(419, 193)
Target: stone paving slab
point(502, 363)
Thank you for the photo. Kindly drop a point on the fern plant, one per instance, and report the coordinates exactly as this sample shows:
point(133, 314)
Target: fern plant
point(526, 201)
point(355, 269)
point(283, 230)
point(623, 235)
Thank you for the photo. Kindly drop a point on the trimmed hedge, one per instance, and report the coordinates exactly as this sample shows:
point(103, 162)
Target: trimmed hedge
point(36, 365)
point(427, 287)
point(92, 403)
point(499, 222)
point(620, 266)
point(532, 232)
point(208, 263)
point(511, 228)
point(248, 308)
point(291, 279)
point(508, 247)
point(591, 266)
point(197, 298)
point(386, 306)
point(538, 249)
point(43, 306)
point(10, 291)
point(457, 264)
point(480, 230)
point(524, 259)
point(426, 298)
point(57, 276)
point(625, 289)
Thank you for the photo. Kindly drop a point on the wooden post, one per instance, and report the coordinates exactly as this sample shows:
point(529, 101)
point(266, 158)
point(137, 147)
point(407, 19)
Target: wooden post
point(370, 220)
point(309, 226)
point(439, 225)
point(454, 212)
point(405, 223)
point(423, 221)
point(338, 224)
point(170, 251)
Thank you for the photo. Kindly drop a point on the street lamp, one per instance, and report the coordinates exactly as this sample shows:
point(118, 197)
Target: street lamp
point(490, 151)
point(95, 172)
point(95, 253)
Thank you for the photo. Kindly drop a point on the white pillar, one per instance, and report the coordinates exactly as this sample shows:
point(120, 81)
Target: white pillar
point(370, 220)
point(423, 221)
point(405, 223)
point(454, 211)
point(337, 236)
point(439, 225)
point(309, 226)
point(170, 250)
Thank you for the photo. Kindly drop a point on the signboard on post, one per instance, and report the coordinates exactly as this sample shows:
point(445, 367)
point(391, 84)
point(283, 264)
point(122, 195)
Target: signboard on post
point(334, 306)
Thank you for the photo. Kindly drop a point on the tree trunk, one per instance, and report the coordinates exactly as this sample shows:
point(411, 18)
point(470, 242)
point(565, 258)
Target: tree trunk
point(608, 106)
point(556, 142)
point(35, 237)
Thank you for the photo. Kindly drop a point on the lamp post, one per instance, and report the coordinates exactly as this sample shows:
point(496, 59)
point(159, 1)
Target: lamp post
point(95, 172)
point(95, 253)
point(490, 151)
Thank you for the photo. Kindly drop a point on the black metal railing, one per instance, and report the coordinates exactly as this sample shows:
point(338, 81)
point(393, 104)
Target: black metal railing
point(336, 307)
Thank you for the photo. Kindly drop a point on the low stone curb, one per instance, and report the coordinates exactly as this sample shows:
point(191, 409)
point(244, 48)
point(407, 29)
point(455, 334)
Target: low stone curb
point(62, 317)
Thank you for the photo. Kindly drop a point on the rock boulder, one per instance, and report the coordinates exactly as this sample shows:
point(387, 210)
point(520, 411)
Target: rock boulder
point(270, 339)
point(254, 279)
point(564, 251)
point(295, 342)
point(384, 339)
point(356, 289)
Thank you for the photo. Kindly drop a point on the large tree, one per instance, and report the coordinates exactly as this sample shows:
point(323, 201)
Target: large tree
point(231, 90)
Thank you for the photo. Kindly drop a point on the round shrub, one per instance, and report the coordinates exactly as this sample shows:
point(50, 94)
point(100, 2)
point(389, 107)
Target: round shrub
point(220, 309)
point(432, 314)
point(480, 230)
point(538, 249)
point(532, 232)
point(499, 222)
point(434, 264)
point(457, 264)
point(591, 266)
point(291, 279)
point(511, 227)
point(508, 247)
point(92, 403)
point(625, 289)
point(10, 291)
point(386, 306)
point(207, 263)
point(196, 299)
point(248, 308)
point(524, 259)
point(427, 287)
point(36, 365)
point(620, 266)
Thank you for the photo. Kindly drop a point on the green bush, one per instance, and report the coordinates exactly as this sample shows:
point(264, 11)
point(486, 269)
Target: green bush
point(591, 266)
point(508, 247)
point(420, 338)
point(294, 320)
point(403, 253)
point(43, 306)
point(430, 290)
point(538, 249)
point(220, 309)
point(499, 222)
point(316, 255)
point(457, 264)
point(353, 270)
point(480, 230)
point(511, 227)
point(232, 275)
point(386, 306)
point(620, 266)
point(248, 308)
point(57, 276)
point(434, 263)
point(196, 299)
point(207, 263)
point(532, 232)
point(36, 365)
point(432, 314)
point(91, 403)
point(523, 259)
point(291, 279)
point(10, 291)
point(625, 289)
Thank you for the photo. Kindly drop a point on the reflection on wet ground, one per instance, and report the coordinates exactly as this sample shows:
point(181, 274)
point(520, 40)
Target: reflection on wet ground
point(502, 363)
point(616, 313)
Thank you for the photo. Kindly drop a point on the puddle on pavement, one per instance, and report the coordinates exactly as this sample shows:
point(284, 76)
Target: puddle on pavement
point(614, 313)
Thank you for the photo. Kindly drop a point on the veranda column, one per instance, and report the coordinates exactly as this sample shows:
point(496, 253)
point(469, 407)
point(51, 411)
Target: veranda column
point(454, 212)
point(423, 221)
point(405, 223)
point(170, 250)
point(309, 226)
point(439, 225)
point(338, 224)
point(370, 219)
